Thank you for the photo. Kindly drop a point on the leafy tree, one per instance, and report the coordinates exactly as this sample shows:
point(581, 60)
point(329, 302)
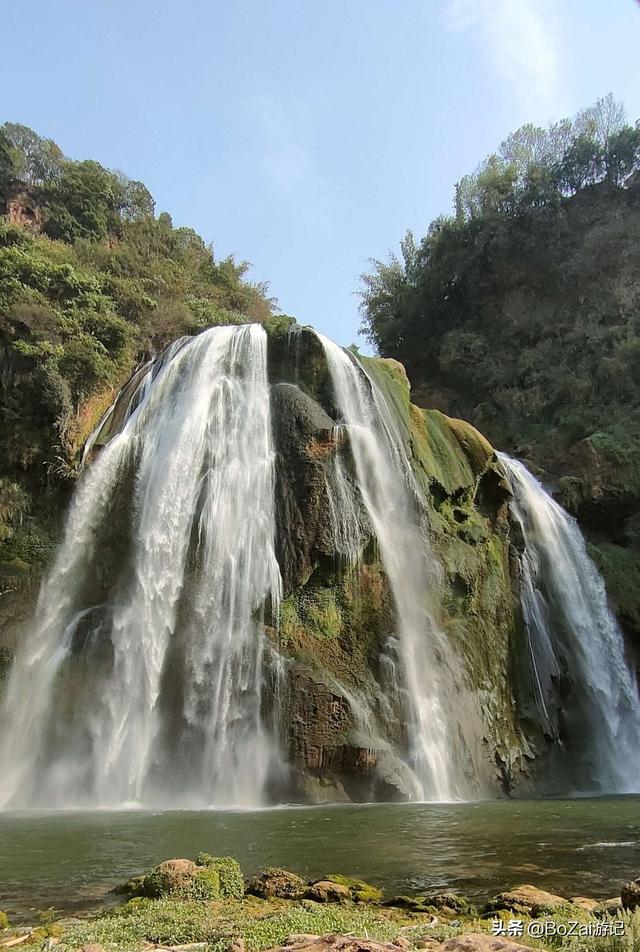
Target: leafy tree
point(37, 160)
point(84, 201)
point(7, 165)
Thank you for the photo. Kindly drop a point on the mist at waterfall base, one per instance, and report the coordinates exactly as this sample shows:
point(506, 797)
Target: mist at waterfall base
point(584, 688)
point(148, 677)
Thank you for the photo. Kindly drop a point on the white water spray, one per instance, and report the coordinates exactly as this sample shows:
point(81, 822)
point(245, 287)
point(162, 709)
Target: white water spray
point(171, 708)
point(385, 483)
point(574, 637)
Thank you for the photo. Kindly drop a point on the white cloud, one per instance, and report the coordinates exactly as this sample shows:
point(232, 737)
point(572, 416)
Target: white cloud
point(522, 39)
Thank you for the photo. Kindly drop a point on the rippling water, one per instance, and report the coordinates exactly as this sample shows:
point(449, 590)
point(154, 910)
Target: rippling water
point(575, 847)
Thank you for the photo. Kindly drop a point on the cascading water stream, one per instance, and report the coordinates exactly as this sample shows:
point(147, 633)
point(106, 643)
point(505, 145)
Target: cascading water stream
point(384, 481)
point(574, 639)
point(170, 709)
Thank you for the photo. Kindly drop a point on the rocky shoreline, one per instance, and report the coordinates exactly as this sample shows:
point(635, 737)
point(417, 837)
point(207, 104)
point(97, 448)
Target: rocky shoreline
point(206, 904)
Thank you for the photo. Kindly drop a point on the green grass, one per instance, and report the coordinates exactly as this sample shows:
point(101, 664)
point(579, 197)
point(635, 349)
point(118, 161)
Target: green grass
point(263, 924)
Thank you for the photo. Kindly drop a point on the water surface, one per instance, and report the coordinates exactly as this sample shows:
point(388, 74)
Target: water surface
point(575, 847)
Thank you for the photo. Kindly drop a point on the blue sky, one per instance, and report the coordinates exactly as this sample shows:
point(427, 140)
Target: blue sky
point(307, 135)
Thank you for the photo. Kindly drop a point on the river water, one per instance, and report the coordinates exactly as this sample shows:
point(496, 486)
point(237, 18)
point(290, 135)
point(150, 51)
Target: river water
point(575, 847)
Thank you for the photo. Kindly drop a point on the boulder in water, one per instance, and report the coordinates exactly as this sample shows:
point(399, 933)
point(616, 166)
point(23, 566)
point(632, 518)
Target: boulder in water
point(276, 883)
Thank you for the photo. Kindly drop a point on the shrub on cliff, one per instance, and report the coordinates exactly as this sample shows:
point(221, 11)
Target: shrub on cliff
point(92, 284)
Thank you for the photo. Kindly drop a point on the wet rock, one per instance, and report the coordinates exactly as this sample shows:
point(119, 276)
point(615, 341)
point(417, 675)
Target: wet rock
point(526, 900)
point(276, 883)
point(326, 891)
point(414, 903)
point(630, 895)
point(132, 887)
point(480, 942)
point(448, 902)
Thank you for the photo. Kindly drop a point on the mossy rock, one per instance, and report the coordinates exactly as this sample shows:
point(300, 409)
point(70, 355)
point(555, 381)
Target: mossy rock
point(413, 903)
point(445, 901)
point(132, 887)
point(326, 890)
point(182, 879)
point(277, 883)
point(231, 880)
point(359, 889)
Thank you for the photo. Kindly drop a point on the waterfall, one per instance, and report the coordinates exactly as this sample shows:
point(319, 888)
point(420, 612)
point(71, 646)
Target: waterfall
point(384, 480)
point(170, 636)
point(585, 692)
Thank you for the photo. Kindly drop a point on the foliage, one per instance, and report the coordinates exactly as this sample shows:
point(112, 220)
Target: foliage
point(266, 924)
point(521, 312)
point(227, 869)
point(97, 284)
point(261, 924)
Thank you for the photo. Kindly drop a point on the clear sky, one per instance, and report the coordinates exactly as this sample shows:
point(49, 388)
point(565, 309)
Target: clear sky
point(307, 135)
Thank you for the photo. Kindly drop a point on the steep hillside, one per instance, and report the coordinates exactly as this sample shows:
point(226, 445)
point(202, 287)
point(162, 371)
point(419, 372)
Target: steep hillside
point(521, 314)
point(92, 281)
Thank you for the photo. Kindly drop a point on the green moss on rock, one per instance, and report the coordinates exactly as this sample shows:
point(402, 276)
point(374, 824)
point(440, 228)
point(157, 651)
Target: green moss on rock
point(277, 883)
point(228, 871)
point(360, 890)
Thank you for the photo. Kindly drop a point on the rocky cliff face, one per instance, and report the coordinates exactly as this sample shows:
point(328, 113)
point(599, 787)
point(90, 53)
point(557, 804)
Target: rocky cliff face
point(337, 618)
point(339, 712)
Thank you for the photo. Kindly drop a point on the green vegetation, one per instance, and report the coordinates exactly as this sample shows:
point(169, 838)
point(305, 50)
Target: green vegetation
point(91, 282)
point(263, 924)
point(520, 312)
point(523, 305)
point(227, 869)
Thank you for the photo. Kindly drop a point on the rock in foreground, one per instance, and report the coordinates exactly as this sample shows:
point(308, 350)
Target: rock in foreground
point(526, 900)
point(479, 942)
point(337, 943)
point(630, 895)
